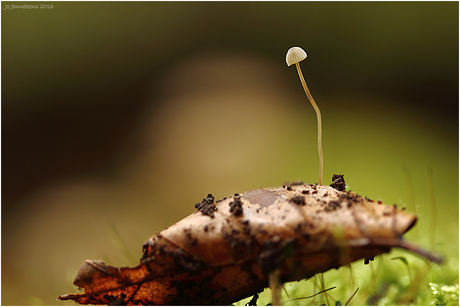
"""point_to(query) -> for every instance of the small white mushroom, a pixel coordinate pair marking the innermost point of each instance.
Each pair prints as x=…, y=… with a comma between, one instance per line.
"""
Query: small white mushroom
x=294, y=56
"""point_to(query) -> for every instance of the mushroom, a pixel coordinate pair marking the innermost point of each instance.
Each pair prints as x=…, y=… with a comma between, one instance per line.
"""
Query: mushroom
x=294, y=56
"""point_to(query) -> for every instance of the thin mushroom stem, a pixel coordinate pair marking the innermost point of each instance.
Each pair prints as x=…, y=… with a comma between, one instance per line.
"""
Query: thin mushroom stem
x=318, y=116
x=274, y=284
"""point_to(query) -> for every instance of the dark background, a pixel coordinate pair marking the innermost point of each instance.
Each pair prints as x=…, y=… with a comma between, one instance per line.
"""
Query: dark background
x=117, y=117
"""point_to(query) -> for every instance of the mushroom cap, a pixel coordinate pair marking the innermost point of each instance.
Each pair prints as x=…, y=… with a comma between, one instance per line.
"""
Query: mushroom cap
x=295, y=55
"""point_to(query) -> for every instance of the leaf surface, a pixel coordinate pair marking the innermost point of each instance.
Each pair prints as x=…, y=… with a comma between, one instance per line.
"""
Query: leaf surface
x=225, y=251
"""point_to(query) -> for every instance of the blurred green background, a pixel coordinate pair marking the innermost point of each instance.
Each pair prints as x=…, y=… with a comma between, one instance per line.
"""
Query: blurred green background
x=117, y=117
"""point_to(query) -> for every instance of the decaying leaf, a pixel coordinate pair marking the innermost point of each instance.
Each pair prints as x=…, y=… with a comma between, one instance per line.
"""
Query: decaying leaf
x=226, y=250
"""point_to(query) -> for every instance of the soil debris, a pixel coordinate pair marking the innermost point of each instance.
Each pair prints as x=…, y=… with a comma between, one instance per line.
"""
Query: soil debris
x=298, y=200
x=207, y=206
x=338, y=182
x=332, y=205
x=289, y=186
x=236, y=206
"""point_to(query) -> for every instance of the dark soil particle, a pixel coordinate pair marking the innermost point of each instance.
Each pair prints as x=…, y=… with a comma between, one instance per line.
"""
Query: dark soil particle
x=298, y=200
x=185, y=260
x=338, y=182
x=269, y=258
x=349, y=198
x=239, y=248
x=332, y=205
x=207, y=206
x=274, y=254
x=236, y=206
x=188, y=233
x=289, y=186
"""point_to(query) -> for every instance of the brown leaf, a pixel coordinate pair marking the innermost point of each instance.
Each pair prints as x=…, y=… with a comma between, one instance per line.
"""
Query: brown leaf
x=219, y=256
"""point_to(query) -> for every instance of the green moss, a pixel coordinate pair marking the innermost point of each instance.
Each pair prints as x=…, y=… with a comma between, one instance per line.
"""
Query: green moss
x=426, y=284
